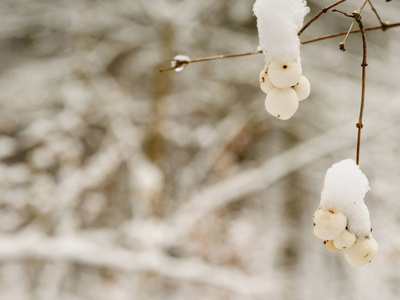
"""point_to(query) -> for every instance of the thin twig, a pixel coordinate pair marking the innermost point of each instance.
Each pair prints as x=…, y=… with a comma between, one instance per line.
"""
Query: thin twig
x=383, y=24
x=323, y=11
x=342, y=44
x=345, y=14
x=357, y=18
x=203, y=59
x=324, y=37
x=364, y=65
x=329, y=36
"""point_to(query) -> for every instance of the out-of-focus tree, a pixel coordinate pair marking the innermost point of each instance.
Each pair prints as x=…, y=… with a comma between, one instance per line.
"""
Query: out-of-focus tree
x=118, y=182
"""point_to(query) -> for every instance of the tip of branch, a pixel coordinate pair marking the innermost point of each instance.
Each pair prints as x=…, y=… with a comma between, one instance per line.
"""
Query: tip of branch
x=162, y=70
x=341, y=46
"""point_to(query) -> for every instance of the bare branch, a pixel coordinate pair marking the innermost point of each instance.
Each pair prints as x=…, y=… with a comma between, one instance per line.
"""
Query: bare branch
x=203, y=59
x=358, y=12
x=325, y=37
x=329, y=36
x=323, y=11
x=383, y=24
x=364, y=66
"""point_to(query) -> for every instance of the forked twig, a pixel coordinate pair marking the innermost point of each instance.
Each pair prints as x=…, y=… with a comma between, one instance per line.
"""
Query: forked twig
x=357, y=18
x=342, y=44
x=323, y=11
x=384, y=24
x=324, y=37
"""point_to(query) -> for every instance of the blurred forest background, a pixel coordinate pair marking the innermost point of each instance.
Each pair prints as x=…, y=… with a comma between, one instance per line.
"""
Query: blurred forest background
x=118, y=182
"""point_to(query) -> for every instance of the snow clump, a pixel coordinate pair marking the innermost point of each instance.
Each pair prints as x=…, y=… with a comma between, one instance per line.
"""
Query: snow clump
x=278, y=23
x=342, y=219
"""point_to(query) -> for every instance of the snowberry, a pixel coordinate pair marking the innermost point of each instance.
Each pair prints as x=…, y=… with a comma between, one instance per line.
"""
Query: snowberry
x=302, y=88
x=265, y=83
x=364, y=249
x=284, y=75
x=331, y=247
x=282, y=103
x=345, y=186
x=345, y=240
x=329, y=223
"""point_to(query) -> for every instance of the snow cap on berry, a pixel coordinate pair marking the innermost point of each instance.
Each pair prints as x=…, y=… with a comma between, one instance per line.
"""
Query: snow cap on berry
x=344, y=189
x=278, y=23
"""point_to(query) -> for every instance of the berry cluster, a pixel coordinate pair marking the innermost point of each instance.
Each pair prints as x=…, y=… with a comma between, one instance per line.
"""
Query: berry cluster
x=342, y=219
x=331, y=226
x=285, y=87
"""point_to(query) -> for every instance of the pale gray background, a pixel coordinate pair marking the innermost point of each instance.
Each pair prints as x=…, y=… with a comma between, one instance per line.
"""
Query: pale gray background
x=117, y=182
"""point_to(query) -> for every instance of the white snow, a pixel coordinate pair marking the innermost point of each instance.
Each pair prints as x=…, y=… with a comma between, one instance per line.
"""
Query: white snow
x=278, y=23
x=344, y=190
x=179, y=62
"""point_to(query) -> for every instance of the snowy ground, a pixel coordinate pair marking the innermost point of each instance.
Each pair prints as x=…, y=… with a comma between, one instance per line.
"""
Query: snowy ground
x=118, y=182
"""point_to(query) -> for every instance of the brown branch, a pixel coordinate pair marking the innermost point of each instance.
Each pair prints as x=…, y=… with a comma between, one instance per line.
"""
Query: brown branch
x=203, y=59
x=342, y=44
x=324, y=37
x=329, y=36
x=364, y=65
x=323, y=11
x=383, y=24
x=357, y=18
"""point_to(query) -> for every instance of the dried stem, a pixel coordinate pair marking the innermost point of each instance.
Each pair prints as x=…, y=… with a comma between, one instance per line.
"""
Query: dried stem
x=364, y=65
x=323, y=11
x=342, y=44
x=383, y=24
x=324, y=37
x=357, y=18
x=203, y=59
x=329, y=36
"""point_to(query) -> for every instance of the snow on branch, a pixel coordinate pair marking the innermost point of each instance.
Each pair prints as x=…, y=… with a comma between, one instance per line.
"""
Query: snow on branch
x=278, y=23
x=80, y=250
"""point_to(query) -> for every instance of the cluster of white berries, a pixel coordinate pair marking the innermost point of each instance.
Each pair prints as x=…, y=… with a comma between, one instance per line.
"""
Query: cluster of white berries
x=285, y=87
x=342, y=220
x=331, y=226
x=278, y=23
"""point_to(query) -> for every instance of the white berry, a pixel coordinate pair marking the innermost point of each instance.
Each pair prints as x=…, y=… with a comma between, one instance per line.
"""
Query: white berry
x=345, y=240
x=302, y=88
x=284, y=75
x=329, y=223
x=331, y=247
x=282, y=103
x=265, y=83
x=362, y=252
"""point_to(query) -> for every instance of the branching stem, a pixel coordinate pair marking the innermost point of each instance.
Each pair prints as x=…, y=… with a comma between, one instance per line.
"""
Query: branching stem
x=343, y=44
x=323, y=11
x=383, y=24
x=325, y=37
